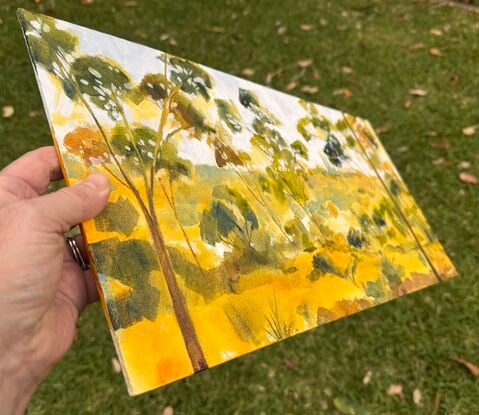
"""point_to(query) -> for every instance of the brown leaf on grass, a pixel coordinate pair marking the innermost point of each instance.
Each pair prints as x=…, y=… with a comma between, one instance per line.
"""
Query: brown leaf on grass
x=168, y=410
x=454, y=79
x=130, y=3
x=417, y=46
x=172, y=42
x=469, y=130
x=115, y=364
x=8, y=111
x=464, y=165
x=347, y=70
x=436, y=52
x=306, y=27
x=272, y=75
x=395, y=389
x=281, y=30
x=474, y=369
x=289, y=363
x=304, y=63
x=316, y=74
x=309, y=89
x=408, y=104
x=292, y=85
x=436, y=32
x=417, y=397
x=468, y=178
x=439, y=161
x=345, y=92
x=164, y=36
x=34, y=113
x=87, y=1
x=247, y=72
x=367, y=377
x=444, y=144
x=418, y=92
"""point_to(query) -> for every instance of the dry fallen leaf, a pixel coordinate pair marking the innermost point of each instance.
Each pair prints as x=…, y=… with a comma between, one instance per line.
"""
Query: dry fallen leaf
x=345, y=92
x=164, y=36
x=468, y=178
x=395, y=389
x=86, y=1
x=346, y=70
x=418, y=92
x=367, y=377
x=464, y=165
x=470, y=366
x=304, y=63
x=439, y=162
x=444, y=144
x=417, y=46
x=115, y=364
x=417, y=396
x=408, y=104
x=130, y=3
x=34, y=113
x=272, y=75
x=292, y=85
x=248, y=72
x=308, y=89
x=323, y=22
x=306, y=27
x=168, y=410
x=436, y=32
x=454, y=80
x=289, y=363
x=469, y=130
x=316, y=74
x=436, y=52
x=281, y=30
x=8, y=111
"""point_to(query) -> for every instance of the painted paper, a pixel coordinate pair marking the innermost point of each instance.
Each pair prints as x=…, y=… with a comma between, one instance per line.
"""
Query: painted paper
x=239, y=215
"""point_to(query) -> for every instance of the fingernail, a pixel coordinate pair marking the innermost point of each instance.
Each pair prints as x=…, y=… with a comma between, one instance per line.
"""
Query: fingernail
x=98, y=181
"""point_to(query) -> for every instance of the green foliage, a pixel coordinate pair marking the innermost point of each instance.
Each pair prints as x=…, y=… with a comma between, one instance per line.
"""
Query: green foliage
x=355, y=238
x=374, y=289
x=102, y=81
x=299, y=149
x=190, y=77
x=393, y=273
x=154, y=85
x=237, y=200
x=334, y=151
x=296, y=229
x=231, y=223
x=190, y=115
x=46, y=41
x=120, y=216
x=322, y=265
x=229, y=114
x=138, y=261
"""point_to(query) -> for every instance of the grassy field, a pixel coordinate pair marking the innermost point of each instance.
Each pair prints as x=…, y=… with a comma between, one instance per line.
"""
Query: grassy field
x=369, y=55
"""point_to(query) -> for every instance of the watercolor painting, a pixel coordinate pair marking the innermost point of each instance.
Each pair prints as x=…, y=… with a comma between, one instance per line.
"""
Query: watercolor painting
x=239, y=215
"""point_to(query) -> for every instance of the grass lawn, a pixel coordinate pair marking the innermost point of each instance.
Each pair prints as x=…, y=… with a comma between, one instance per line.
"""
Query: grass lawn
x=358, y=46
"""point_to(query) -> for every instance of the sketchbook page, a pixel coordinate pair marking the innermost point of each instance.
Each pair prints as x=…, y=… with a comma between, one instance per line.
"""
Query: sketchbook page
x=239, y=215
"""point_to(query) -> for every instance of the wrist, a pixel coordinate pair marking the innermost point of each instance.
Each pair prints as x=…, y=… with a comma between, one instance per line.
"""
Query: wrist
x=16, y=387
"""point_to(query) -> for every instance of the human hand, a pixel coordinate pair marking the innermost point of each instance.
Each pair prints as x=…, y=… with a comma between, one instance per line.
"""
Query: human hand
x=42, y=289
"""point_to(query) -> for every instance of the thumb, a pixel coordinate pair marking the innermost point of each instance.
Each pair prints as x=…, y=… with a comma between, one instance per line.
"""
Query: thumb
x=71, y=205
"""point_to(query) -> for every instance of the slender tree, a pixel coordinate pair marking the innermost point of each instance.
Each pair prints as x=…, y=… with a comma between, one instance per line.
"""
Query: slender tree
x=98, y=82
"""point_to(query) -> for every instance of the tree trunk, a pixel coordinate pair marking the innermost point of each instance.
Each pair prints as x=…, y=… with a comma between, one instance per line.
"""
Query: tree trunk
x=178, y=300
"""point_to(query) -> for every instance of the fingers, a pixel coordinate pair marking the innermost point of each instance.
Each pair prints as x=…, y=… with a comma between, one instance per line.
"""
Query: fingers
x=33, y=171
x=74, y=204
x=87, y=278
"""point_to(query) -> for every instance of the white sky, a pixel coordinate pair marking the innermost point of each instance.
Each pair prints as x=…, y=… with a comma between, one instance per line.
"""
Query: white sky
x=138, y=60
